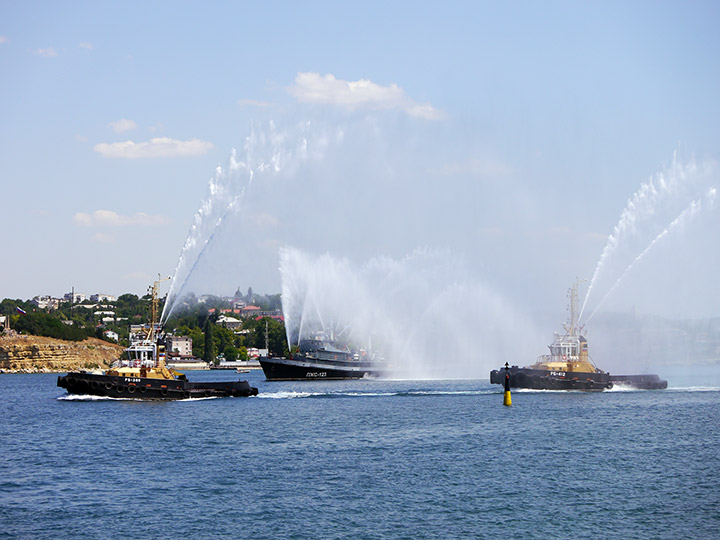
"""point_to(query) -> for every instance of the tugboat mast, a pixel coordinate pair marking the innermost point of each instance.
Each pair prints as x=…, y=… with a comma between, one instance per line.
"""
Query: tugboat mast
x=571, y=327
x=154, y=305
x=267, y=340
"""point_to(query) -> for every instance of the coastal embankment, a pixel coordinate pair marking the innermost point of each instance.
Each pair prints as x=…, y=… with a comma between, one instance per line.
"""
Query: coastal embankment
x=35, y=354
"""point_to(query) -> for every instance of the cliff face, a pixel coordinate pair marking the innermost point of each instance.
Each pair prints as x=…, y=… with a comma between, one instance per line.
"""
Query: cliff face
x=34, y=354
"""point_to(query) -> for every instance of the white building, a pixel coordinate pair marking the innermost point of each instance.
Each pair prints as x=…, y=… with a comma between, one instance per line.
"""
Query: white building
x=79, y=297
x=111, y=335
x=46, y=301
x=178, y=346
x=102, y=298
x=231, y=323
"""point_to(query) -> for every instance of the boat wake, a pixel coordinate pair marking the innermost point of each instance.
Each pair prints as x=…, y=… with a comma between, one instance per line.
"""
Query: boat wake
x=695, y=389
x=355, y=394
x=88, y=397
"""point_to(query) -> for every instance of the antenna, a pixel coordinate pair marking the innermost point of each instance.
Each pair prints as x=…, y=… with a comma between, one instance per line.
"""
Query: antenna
x=267, y=340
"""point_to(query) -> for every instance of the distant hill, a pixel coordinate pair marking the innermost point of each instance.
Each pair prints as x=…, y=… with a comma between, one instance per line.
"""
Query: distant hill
x=35, y=354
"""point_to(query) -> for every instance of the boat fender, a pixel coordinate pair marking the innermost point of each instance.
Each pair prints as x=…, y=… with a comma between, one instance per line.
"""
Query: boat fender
x=108, y=386
x=186, y=394
x=143, y=389
x=131, y=389
x=120, y=388
x=94, y=385
x=163, y=391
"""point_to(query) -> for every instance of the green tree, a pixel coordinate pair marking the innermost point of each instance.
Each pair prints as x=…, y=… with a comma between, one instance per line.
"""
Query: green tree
x=209, y=354
x=277, y=342
x=198, y=342
x=44, y=324
x=231, y=353
x=223, y=337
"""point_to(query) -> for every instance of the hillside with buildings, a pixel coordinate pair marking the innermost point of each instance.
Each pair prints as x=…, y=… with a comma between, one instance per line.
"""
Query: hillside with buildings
x=85, y=332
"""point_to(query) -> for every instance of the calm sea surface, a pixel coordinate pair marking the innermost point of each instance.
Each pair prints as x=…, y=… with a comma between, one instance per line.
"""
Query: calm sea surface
x=360, y=460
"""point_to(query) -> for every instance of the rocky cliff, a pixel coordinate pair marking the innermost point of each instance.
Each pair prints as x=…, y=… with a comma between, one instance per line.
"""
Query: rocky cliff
x=34, y=354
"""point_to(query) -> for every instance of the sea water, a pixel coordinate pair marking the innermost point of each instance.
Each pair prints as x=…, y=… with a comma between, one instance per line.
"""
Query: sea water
x=368, y=459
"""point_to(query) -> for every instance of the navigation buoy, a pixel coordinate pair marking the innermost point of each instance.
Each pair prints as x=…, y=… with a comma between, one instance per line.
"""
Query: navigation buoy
x=507, y=399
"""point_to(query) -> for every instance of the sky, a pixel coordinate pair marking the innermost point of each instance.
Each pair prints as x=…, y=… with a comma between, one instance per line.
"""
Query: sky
x=511, y=136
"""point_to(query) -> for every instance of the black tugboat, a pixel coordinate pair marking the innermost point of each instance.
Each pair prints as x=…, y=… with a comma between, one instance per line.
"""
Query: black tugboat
x=321, y=358
x=144, y=375
x=569, y=367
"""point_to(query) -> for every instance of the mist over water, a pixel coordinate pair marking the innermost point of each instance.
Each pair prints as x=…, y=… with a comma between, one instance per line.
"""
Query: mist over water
x=392, y=242
x=425, y=313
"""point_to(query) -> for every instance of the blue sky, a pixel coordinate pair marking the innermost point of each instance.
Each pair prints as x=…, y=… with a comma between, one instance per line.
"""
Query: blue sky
x=505, y=133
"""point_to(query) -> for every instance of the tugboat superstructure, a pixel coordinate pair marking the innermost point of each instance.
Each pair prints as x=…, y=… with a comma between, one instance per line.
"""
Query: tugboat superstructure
x=568, y=365
x=322, y=358
x=143, y=374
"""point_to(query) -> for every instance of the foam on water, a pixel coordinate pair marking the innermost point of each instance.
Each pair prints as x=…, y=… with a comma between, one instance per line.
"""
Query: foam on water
x=88, y=397
x=356, y=394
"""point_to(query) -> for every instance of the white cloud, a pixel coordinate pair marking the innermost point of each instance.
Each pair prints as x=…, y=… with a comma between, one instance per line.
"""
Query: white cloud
x=103, y=238
x=316, y=88
x=254, y=103
x=157, y=147
x=474, y=167
x=264, y=220
x=122, y=125
x=108, y=218
x=46, y=53
x=86, y=45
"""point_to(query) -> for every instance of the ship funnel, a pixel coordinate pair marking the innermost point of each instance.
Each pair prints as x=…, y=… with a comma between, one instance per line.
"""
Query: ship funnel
x=583, y=352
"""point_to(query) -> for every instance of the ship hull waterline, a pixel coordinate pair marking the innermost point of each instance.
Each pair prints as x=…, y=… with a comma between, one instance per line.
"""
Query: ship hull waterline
x=297, y=369
x=119, y=386
x=539, y=379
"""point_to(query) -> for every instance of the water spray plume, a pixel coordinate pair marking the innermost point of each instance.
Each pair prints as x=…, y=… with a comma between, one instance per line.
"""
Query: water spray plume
x=266, y=153
x=685, y=215
x=423, y=313
x=665, y=194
